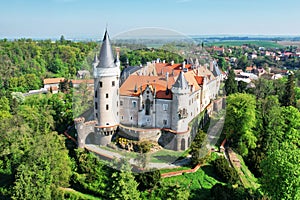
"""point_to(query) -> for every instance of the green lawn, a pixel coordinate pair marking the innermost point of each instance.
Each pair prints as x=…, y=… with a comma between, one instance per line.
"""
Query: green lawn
x=165, y=155
x=174, y=169
x=199, y=183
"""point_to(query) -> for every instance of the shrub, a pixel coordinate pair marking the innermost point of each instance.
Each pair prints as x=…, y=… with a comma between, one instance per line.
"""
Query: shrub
x=224, y=171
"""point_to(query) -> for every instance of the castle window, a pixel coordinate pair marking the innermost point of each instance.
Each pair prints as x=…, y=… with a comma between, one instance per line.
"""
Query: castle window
x=107, y=107
x=130, y=118
x=165, y=107
x=96, y=105
x=100, y=84
x=147, y=107
x=117, y=104
x=113, y=83
x=134, y=104
x=122, y=117
x=107, y=123
x=117, y=113
x=97, y=115
x=106, y=95
x=121, y=103
x=165, y=122
x=96, y=94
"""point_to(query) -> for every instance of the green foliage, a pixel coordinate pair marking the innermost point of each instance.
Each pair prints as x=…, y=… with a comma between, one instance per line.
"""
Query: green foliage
x=239, y=121
x=142, y=56
x=124, y=185
x=91, y=175
x=230, y=83
x=226, y=192
x=168, y=192
x=144, y=146
x=148, y=180
x=289, y=94
x=4, y=108
x=32, y=155
x=281, y=172
x=269, y=124
x=24, y=63
x=222, y=63
x=224, y=171
x=199, y=151
x=242, y=62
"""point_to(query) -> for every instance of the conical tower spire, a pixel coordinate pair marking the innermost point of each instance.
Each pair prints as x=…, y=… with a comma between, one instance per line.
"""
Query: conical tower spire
x=181, y=82
x=106, y=58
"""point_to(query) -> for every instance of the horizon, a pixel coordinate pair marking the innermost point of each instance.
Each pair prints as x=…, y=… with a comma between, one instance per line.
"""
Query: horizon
x=78, y=18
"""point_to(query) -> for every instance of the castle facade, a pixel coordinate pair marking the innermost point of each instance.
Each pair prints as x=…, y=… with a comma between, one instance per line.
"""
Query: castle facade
x=156, y=102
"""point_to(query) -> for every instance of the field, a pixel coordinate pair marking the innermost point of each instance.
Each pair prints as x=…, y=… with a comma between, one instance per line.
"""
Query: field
x=266, y=44
x=289, y=43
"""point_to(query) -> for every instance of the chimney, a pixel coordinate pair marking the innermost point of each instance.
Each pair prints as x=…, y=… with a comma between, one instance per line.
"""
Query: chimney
x=211, y=66
x=172, y=62
x=167, y=76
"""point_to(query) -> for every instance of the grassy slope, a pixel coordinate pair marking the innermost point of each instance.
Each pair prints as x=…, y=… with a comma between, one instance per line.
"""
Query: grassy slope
x=199, y=182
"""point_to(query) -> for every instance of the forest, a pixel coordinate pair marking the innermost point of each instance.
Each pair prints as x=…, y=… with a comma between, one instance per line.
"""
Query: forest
x=37, y=161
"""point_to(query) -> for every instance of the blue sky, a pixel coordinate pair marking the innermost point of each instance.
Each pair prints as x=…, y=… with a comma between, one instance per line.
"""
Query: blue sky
x=88, y=18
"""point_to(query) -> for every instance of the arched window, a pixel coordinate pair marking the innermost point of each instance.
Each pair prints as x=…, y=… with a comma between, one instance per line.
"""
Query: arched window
x=148, y=106
x=95, y=93
x=183, y=144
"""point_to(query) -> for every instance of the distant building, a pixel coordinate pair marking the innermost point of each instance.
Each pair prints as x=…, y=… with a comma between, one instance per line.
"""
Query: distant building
x=83, y=74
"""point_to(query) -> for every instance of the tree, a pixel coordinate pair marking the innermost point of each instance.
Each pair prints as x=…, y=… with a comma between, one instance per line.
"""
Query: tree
x=62, y=39
x=269, y=124
x=281, y=173
x=199, y=150
x=263, y=88
x=169, y=192
x=239, y=121
x=242, y=62
x=222, y=63
x=242, y=86
x=33, y=182
x=148, y=180
x=289, y=93
x=45, y=167
x=91, y=175
x=225, y=171
x=230, y=83
x=124, y=185
x=4, y=108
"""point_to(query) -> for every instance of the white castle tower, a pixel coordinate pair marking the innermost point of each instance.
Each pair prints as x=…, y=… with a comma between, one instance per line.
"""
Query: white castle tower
x=180, y=105
x=106, y=98
x=106, y=86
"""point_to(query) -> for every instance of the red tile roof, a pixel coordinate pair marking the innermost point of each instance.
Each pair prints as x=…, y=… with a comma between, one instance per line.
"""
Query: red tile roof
x=53, y=80
x=199, y=79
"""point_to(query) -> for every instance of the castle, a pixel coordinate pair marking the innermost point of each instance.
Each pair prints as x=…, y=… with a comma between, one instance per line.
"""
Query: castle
x=157, y=102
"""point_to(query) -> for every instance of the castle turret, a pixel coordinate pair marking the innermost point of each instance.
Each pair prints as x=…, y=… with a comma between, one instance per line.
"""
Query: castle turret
x=180, y=91
x=106, y=86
